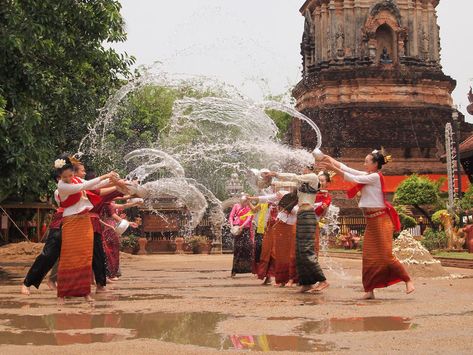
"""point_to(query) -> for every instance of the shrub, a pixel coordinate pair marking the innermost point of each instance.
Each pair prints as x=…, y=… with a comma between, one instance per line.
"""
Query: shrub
x=129, y=242
x=434, y=240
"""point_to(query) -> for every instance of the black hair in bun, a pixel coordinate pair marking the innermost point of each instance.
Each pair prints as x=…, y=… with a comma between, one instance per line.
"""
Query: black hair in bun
x=380, y=158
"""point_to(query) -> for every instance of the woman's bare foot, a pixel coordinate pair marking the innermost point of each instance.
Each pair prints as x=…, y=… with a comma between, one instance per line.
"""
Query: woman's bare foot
x=89, y=298
x=60, y=301
x=101, y=289
x=306, y=288
x=267, y=281
x=279, y=285
x=25, y=290
x=410, y=287
x=321, y=286
x=290, y=283
x=114, y=279
x=52, y=285
x=368, y=296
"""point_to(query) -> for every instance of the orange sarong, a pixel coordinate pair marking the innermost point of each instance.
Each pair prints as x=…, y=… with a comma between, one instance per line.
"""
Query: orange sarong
x=75, y=263
x=267, y=259
x=380, y=266
x=285, y=245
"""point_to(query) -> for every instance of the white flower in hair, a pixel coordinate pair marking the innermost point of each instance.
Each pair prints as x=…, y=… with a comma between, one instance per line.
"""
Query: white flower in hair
x=375, y=151
x=59, y=163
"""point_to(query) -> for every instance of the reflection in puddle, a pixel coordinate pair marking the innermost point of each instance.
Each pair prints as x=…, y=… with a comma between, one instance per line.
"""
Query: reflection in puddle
x=179, y=328
x=366, y=324
x=275, y=343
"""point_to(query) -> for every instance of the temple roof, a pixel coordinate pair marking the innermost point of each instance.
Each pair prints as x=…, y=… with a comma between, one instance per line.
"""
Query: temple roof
x=467, y=145
x=304, y=7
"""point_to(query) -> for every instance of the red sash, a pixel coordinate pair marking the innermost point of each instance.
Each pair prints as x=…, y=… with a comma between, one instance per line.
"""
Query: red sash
x=390, y=209
x=71, y=200
x=326, y=200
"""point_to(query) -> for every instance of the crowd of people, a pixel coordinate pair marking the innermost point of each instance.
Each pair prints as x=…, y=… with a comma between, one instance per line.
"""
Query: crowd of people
x=84, y=234
x=276, y=233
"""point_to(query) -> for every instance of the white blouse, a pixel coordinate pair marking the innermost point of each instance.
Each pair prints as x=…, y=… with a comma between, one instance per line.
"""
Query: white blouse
x=372, y=194
x=311, y=179
x=283, y=216
x=65, y=190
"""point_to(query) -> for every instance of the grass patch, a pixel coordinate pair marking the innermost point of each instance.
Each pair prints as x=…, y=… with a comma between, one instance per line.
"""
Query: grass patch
x=454, y=254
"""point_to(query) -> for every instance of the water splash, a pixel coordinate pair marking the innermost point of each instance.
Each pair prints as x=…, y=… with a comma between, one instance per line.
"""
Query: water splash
x=331, y=229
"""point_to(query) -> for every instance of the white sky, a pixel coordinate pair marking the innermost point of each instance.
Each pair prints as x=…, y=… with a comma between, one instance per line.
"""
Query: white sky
x=254, y=44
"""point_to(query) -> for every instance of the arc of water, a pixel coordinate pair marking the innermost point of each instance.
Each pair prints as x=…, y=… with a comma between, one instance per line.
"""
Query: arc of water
x=148, y=168
x=273, y=105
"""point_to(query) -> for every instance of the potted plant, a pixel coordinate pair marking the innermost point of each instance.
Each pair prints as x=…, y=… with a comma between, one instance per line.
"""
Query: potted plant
x=129, y=244
x=197, y=243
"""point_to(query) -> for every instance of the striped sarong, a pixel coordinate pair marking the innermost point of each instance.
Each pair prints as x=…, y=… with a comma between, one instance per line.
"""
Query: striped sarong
x=307, y=264
x=380, y=266
x=284, y=245
x=75, y=262
x=267, y=258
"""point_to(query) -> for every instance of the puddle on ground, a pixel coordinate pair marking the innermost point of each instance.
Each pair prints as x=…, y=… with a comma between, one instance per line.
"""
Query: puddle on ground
x=317, y=301
x=134, y=297
x=283, y=318
x=16, y=305
x=180, y=328
x=8, y=279
x=365, y=324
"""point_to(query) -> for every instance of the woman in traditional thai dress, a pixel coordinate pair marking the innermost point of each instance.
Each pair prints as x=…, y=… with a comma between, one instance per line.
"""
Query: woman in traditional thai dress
x=111, y=218
x=284, y=231
x=49, y=255
x=323, y=200
x=309, y=272
x=240, y=220
x=75, y=263
x=380, y=266
x=261, y=215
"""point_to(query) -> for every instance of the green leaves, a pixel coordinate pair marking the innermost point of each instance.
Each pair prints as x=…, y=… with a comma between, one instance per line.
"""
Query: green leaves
x=54, y=76
x=417, y=190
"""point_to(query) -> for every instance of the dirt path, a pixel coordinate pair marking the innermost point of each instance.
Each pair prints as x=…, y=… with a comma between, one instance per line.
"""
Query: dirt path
x=167, y=304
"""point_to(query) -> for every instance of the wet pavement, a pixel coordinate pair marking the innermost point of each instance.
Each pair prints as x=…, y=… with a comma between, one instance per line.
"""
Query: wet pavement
x=168, y=307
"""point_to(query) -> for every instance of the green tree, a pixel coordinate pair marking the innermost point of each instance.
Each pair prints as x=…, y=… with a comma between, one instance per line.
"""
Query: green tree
x=407, y=221
x=282, y=120
x=466, y=202
x=420, y=193
x=55, y=73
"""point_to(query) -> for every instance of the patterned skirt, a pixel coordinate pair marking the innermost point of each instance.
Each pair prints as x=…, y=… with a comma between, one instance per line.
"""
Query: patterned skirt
x=380, y=266
x=257, y=255
x=267, y=261
x=243, y=253
x=285, y=244
x=75, y=263
x=111, y=246
x=307, y=264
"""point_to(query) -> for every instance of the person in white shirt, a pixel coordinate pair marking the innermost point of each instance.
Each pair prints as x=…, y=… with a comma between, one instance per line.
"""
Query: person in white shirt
x=75, y=264
x=278, y=255
x=311, y=276
x=380, y=266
